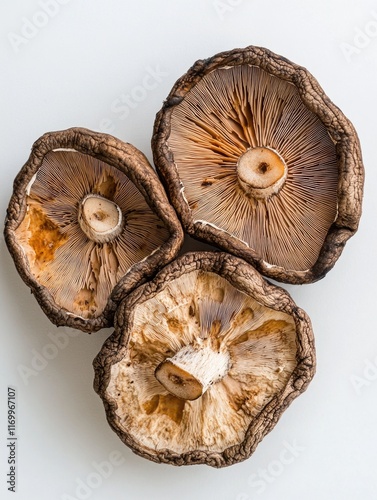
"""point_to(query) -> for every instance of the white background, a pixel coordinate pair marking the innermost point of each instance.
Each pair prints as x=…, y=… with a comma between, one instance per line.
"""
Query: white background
x=71, y=69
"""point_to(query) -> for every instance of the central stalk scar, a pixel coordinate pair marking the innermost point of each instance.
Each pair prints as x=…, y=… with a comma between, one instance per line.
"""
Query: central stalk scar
x=192, y=371
x=100, y=219
x=261, y=172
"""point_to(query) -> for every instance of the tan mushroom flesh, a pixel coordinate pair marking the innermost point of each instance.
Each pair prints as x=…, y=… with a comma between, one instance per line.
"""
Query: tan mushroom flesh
x=86, y=225
x=258, y=161
x=202, y=361
x=88, y=221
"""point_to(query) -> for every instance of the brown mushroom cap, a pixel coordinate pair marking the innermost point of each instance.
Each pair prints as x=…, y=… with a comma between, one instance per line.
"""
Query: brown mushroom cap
x=88, y=220
x=258, y=161
x=204, y=360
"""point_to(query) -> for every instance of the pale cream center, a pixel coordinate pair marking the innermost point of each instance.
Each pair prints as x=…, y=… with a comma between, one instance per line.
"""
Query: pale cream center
x=261, y=172
x=100, y=219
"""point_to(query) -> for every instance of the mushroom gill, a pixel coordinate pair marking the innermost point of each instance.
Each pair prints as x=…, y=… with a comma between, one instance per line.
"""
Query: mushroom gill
x=249, y=353
x=255, y=162
x=86, y=224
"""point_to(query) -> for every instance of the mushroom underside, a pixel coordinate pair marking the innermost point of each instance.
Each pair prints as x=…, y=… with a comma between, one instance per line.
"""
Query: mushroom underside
x=85, y=225
x=200, y=312
x=255, y=163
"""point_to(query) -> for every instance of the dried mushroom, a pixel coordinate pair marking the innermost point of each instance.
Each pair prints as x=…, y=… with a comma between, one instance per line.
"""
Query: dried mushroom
x=203, y=361
x=258, y=161
x=88, y=220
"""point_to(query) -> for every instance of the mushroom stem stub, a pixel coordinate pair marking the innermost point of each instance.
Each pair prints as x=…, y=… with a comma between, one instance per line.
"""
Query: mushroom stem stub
x=99, y=218
x=261, y=172
x=192, y=371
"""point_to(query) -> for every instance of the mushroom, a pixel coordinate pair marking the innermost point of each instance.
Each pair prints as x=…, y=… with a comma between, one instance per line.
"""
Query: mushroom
x=258, y=161
x=88, y=220
x=204, y=359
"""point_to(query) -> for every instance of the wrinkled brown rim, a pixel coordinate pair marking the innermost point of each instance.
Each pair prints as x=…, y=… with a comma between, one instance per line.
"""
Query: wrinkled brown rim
x=135, y=165
x=248, y=280
x=341, y=130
